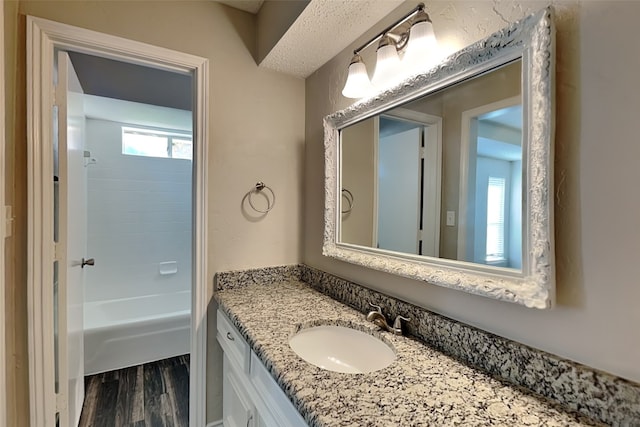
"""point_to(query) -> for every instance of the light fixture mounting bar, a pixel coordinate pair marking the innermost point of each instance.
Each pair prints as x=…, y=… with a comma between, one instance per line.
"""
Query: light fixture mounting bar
x=399, y=22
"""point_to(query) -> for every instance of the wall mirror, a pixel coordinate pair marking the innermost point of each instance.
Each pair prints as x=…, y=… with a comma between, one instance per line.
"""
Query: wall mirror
x=447, y=177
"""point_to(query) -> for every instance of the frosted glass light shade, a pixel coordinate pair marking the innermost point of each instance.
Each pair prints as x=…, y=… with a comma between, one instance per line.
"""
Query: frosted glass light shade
x=422, y=48
x=387, y=69
x=358, y=84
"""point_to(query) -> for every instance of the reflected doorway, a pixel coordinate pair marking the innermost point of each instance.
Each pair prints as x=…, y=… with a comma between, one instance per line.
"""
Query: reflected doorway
x=492, y=233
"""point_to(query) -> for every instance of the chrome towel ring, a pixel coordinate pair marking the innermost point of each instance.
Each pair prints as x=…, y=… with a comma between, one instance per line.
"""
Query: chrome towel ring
x=348, y=196
x=271, y=201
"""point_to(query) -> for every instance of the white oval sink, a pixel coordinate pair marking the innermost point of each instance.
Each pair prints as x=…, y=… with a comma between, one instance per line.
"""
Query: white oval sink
x=341, y=349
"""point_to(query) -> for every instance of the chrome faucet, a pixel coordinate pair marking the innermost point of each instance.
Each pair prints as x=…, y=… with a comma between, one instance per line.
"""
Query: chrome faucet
x=378, y=319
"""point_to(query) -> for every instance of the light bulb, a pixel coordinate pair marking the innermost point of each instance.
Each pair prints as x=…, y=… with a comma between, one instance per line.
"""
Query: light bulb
x=387, y=69
x=357, y=84
x=422, y=47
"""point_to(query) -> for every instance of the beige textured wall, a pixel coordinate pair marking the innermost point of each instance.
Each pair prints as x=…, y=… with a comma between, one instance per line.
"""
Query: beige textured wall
x=597, y=230
x=15, y=182
x=358, y=154
x=256, y=133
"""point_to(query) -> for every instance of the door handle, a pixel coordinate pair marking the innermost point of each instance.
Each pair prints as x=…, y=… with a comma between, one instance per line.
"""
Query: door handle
x=89, y=261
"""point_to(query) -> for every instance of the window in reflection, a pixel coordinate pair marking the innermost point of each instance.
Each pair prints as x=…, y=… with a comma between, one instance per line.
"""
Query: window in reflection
x=495, y=219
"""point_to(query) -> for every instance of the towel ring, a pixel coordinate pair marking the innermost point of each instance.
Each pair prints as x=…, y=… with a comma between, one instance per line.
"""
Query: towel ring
x=346, y=194
x=258, y=188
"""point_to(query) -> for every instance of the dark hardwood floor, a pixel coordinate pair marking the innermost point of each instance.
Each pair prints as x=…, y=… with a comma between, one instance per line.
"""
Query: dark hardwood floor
x=151, y=395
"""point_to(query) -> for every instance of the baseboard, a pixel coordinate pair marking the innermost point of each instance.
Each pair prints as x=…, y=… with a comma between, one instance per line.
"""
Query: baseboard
x=215, y=424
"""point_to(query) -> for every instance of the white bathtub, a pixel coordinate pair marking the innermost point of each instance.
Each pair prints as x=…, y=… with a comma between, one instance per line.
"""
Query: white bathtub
x=128, y=332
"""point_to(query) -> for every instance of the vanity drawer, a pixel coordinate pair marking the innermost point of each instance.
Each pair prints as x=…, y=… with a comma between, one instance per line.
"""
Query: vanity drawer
x=232, y=343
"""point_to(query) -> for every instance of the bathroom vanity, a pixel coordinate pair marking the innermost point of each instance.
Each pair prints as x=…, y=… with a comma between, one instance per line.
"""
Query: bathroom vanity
x=444, y=372
x=267, y=384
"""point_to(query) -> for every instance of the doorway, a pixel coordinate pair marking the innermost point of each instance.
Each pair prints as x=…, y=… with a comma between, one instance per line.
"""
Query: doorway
x=127, y=182
x=491, y=195
x=50, y=396
x=409, y=167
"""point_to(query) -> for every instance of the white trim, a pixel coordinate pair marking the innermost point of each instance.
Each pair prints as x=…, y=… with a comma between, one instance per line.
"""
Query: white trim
x=376, y=182
x=43, y=37
x=198, y=360
x=4, y=224
x=218, y=423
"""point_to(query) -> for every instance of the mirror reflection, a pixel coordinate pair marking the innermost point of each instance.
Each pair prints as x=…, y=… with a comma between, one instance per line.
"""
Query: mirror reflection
x=440, y=176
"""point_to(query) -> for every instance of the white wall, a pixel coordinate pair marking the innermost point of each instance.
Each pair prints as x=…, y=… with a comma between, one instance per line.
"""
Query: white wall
x=597, y=209
x=139, y=215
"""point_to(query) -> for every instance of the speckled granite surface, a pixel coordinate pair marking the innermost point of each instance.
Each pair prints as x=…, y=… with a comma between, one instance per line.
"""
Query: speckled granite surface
x=423, y=387
x=601, y=396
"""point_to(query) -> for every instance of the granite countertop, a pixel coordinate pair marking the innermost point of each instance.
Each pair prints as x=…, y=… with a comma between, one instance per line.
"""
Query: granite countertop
x=423, y=387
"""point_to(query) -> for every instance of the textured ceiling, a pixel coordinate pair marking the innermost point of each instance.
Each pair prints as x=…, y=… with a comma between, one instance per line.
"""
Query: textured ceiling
x=324, y=29
x=321, y=31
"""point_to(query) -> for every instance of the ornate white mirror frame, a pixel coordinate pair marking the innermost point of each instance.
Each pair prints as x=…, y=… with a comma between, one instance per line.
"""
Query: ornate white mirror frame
x=532, y=40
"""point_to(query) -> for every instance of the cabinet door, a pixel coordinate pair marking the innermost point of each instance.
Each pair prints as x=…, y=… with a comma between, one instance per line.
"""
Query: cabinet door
x=261, y=421
x=265, y=419
x=270, y=401
x=237, y=410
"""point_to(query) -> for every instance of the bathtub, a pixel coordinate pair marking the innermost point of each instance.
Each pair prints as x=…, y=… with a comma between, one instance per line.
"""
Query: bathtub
x=128, y=332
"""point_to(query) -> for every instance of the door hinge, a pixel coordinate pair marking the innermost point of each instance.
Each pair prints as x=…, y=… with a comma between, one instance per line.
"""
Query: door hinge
x=61, y=402
x=8, y=221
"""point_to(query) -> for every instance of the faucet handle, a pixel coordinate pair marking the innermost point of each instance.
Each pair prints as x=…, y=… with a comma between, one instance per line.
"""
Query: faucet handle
x=377, y=307
x=397, y=324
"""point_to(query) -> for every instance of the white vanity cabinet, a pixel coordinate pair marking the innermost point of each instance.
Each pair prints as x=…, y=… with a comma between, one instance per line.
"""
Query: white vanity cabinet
x=251, y=397
x=238, y=411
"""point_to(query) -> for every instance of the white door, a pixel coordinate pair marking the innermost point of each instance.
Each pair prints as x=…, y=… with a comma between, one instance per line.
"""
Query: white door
x=399, y=191
x=72, y=242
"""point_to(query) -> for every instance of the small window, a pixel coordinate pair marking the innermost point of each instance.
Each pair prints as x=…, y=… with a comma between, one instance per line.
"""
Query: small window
x=154, y=143
x=495, y=219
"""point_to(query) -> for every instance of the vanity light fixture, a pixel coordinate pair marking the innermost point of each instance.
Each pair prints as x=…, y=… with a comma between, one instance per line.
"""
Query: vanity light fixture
x=418, y=43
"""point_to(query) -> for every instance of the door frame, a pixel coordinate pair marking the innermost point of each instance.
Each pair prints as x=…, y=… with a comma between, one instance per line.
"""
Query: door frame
x=43, y=36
